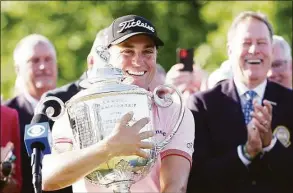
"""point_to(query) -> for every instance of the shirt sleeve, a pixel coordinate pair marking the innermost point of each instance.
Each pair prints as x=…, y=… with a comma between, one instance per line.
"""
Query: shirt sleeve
x=181, y=143
x=245, y=161
x=62, y=136
x=272, y=144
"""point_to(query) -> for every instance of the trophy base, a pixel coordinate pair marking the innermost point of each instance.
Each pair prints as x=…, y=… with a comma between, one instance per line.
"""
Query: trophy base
x=121, y=187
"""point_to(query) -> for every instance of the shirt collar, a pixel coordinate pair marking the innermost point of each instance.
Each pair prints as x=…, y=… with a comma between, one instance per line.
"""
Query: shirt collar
x=30, y=99
x=242, y=89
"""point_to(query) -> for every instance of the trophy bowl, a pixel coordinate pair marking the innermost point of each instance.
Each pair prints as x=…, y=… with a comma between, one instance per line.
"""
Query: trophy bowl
x=94, y=112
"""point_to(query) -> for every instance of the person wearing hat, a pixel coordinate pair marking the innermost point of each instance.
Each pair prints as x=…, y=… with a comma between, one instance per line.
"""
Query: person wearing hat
x=133, y=42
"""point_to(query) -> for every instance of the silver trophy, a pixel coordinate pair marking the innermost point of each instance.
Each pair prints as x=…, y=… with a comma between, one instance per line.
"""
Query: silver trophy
x=94, y=111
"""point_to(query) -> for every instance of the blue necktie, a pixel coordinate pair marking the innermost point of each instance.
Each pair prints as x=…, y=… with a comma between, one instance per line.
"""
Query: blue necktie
x=248, y=106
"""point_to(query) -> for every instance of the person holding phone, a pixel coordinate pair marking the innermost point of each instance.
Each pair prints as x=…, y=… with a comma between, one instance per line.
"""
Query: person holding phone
x=10, y=171
x=185, y=74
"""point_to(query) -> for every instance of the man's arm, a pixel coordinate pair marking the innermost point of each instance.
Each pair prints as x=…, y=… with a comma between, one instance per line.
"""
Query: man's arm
x=72, y=165
x=174, y=174
x=176, y=158
x=61, y=170
x=275, y=148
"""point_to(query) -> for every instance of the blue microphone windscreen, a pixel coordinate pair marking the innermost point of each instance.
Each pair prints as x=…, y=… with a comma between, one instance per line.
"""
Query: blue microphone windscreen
x=38, y=135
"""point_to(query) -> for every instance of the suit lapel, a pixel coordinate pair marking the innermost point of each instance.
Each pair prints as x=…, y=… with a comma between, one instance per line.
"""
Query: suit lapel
x=272, y=97
x=233, y=100
x=234, y=104
x=270, y=93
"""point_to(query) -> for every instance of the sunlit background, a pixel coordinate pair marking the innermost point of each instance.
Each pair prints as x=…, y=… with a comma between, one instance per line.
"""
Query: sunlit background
x=72, y=27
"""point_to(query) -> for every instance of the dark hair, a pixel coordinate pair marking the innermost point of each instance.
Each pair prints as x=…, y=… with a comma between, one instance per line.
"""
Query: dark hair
x=249, y=14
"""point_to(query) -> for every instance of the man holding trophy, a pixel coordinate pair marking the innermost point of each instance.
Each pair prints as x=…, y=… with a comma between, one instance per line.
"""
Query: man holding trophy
x=124, y=152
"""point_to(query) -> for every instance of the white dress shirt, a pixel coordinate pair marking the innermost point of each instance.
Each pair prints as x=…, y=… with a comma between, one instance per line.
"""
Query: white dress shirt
x=260, y=90
x=30, y=99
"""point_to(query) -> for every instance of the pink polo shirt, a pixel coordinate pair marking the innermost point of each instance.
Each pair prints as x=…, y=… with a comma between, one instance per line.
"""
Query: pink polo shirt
x=164, y=119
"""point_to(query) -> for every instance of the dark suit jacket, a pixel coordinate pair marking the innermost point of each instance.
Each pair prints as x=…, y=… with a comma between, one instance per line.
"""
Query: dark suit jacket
x=220, y=128
x=26, y=112
x=65, y=92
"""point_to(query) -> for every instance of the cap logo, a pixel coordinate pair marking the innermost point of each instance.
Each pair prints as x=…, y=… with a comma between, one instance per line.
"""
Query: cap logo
x=131, y=23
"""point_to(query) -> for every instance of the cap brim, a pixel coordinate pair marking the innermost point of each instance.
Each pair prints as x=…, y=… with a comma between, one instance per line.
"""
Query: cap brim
x=157, y=40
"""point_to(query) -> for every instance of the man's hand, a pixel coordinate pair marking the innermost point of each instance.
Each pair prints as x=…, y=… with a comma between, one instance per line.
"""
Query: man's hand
x=254, y=143
x=185, y=80
x=127, y=140
x=6, y=175
x=181, y=79
x=5, y=155
x=263, y=117
x=6, y=150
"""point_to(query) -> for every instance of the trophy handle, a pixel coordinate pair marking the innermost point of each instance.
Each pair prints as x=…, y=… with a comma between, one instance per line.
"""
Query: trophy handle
x=44, y=107
x=165, y=102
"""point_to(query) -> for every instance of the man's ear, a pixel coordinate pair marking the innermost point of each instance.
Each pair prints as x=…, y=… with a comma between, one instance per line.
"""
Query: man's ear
x=90, y=61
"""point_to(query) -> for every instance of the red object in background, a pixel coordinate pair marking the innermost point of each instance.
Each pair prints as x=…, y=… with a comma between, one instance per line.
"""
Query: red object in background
x=185, y=57
x=183, y=53
x=10, y=131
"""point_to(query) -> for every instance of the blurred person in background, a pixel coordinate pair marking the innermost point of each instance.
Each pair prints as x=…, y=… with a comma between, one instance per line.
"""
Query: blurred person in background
x=134, y=50
x=185, y=81
x=11, y=180
x=224, y=72
x=67, y=91
x=159, y=78
x=35, y=63
x=243, y=126
x=281, y=70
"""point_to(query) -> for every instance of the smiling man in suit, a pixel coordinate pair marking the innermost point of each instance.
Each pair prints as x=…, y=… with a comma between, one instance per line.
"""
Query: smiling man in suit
x=36, y=68
x=243, y=129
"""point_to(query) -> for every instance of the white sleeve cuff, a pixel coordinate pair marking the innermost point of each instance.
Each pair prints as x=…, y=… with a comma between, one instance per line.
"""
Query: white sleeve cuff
x=245, y=161
x=272, y=144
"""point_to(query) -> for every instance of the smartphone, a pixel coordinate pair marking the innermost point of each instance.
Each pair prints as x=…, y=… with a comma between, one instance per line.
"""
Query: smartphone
x=185, y=56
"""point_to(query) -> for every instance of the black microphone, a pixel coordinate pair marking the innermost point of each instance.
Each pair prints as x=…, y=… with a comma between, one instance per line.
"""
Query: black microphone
x=38, y=141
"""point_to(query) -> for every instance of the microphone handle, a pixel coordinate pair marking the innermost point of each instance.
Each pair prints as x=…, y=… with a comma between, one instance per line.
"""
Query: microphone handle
x=36, y=163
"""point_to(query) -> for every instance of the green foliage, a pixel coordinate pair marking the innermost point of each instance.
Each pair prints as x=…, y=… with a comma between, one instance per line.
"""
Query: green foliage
x=72, y=26
x=213, y=52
